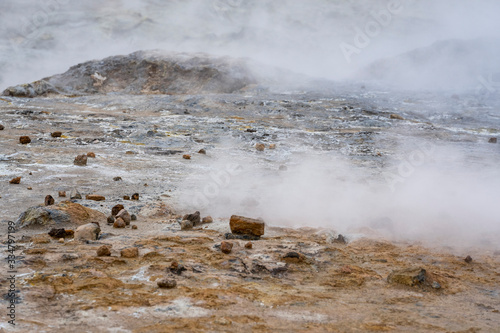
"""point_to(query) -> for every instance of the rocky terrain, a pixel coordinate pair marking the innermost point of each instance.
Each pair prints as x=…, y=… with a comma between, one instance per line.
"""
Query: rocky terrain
x=92, y=145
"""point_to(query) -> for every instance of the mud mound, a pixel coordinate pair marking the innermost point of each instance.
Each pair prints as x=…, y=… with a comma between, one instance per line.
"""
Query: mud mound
x=145, y=72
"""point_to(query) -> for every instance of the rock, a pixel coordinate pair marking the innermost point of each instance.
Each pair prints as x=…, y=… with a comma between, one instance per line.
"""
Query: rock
x=59, y=233
x=207, y=219
x=131, y=252
x=126, y=197
x=29, y=188
x=91, y=155
x=396, y=116
x=116, y=209
x=186, y=156
x=124, y=215
x=492, y=140
x=133, y=217
x=135, y=196
x=186, y=225
x=103, y=251
x=226, y=247
x=412, y=277
x=16, y=180
x=260, y=146
x=202, y=151
x=75, y=194
x=246, y=226
x=134, y=227
x=119, y=223
x=249, y=245
x=49, y=201
x=61, y=240
x=64, y=213
x=195, y=218
x=111, y=219
x=167, y=283
x=340, y=239
x=24, y=140
x=468, y=259
x=95, y=197
x=175, y=268
x=56, y=134
x=272, y=146
x=117, y=179
x=89, y=231
x=293, y=257
x=80, y=160
x=1, y=127
x=62, y=194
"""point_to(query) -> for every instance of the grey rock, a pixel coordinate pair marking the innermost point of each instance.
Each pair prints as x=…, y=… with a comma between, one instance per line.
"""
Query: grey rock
x=75, y=194
x=89, y=231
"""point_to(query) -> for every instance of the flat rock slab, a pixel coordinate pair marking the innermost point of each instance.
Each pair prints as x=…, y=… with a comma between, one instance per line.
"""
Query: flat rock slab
x=241, y=225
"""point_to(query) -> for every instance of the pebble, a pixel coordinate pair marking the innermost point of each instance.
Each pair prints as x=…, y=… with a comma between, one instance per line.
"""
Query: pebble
x=135, y=196
x=272, y=146
x=133, y=217
x=492, y=140
x=61, y=240
x=117, y=179
x=116, y=209
x=186, y=156
x=103, y=251
x=75, y=194
x=95, y=197
x=167, y=283
x=124, y=215
x=56, y=134
x=202, y=151
x=119, y=223
x=131, y=252
x=62, y=194
x=49, y=200
x=91, y=155
x=111, y=219
x=249, y=245
x=24, y=140
x=468, y=259
x=134, y=227
x=80, y=160
x=16, y=180
x=207, y=219
x=29, y=188
x=260, y=146
x=186, y=225
x=226, y=247
x=1, y=127
x=126, y=197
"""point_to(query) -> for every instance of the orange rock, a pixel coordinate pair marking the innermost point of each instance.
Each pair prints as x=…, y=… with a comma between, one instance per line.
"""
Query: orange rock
x=260, y=146
x=95, y=197
x=226, y=247
x=119, y=223
x=246, y=226
x=24, y=140
x=16, y=180
x=186, y=156
x=91, y=155
x=131, y=252
x=56, y=134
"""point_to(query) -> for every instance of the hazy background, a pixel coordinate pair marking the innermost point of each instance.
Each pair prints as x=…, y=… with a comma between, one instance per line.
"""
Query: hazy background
x=39, y=38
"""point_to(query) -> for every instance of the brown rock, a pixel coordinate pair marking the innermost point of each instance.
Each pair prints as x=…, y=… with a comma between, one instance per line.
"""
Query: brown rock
x=62, y=194
x=88, y=231
x=91, y=155
x=111, y=219
x=29, y=188
x=413, y=277
x=396, y=116
x=80, y=160
x=249, y=245
x=1, y=127
x=135, y=196
x=56, y=134
x=126, y=197
x=468, y=259
x=74, y=194
x=246, y=226
x=202, y=151
x=103, y=251
x=492, y=140
x=16, y=180
x=116, y=209
x=195, y=218
x=272, y=146
x=293, y=257
x=95, y=197
x=131, y=252
x=260, y=146
x=124, y=215
x=133, y=217
x=226, y=247
x=59, y=233
x=207, y=219
x=134, y=227
x=186, y=156
x=49, y=200
x=117, y=179
x=119, y=223
x=167, y=283
x=24, y=140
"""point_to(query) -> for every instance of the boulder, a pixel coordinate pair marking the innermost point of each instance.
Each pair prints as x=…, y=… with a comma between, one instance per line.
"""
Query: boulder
x=89, y=231
x=241, y=225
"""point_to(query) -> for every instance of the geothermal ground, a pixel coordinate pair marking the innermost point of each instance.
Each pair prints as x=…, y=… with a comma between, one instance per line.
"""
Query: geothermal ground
x=300, y=276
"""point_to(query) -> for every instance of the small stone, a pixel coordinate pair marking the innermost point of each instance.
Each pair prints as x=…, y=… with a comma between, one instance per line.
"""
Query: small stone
x=117, y=179
x=131, y=252
x=175, y=268
x=468, y=259
x=186, y=156
x=436, y=285
x=116, y=209
x=293, y=257
x=129, y=152
x=133, y=217
x=95, y=197
x=24, y=140
x=80, y=160
x=134, y=227
x=167, y=283
x=226, y=247
x=207, y=219
x=1, y=127
x=195, y=218
x=124, y=215
x=16, y=180
x=58, y=233
x=91, y=155
x=103, y=251
x=56, y=134
x=260, y=146
x=126, y=197
x=135, y=196
x=119, y=223
x=111, y=219
x=202, y=151
x=75, y=194
x=492, y=140
x=272, y=146
x=89, y=231
x=49, y=200
x=396, y=116
x=61, y=240
x=249, y=245
x=62, y=194
x=246, y=226
x=340, y=239
x=186, y=225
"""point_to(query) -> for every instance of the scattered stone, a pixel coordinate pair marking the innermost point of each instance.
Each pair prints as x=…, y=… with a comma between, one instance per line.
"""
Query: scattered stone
x=131, y=252
x=195, y=218
x=272, y=146
x=250, y=130
x=176, y=268
x=103, y=251
x=95, y=197
x=116, y=209
x=468, y=259
x=91, y=155
x=133, y=217
x=29, y=188
x=80, y=160
x=202, y=151
x=340, y=239
x=129, y=152
x=293, y=257
x=436, y=285
x=60, y=233
x=226, y=247
x=207, y=219
x=126, y=197
x=117, y=179
x=246, y=226
x=62, y=194
x=492, y=140
x=167, y=283
x=135, y=196
x=111, y=219
x=124, y=215
x=134, y=227
x=186, y=225
x=56, y=134
x=49, y=200
x=396, y=116
x=75, y=194
x=24, y=140
x=119, y=223
x=186, y=156
x=89, y=231
x=260, y=146
x=1, y=127
x=16, y=180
